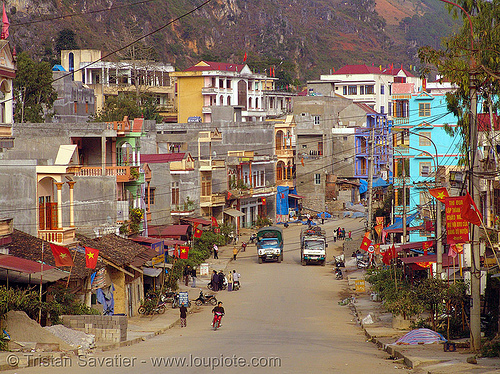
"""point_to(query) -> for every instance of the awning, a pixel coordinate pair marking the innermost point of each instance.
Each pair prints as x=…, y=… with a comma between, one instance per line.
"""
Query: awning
x=293, y=196
x=201, y=221
x=23, y=271
x=429, y=258
x=233, y=213
x=169, y=231
x=151, y=272
x=413, y=245
x=398, y=224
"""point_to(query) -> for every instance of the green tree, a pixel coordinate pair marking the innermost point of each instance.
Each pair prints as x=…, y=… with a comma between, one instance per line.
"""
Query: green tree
x=65, y=40
x=33, y=90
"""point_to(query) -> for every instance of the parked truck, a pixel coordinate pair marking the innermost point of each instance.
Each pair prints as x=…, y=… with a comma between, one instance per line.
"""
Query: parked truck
x=313, y=245
x=270, y=244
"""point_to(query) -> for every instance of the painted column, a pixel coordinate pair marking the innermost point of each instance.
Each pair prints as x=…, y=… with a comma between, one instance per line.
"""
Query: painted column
x=103, y=155
x=59, y=204
x=71, y=204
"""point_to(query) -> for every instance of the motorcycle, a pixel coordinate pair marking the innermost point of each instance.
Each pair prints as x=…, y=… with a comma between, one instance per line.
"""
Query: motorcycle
x=243, y=246
x=205, y=299
x=338, y=273
x=253, y=237
x=217, y=320
x=339, y=261
x=175, y=302
x=160, y=308
x=221, y=287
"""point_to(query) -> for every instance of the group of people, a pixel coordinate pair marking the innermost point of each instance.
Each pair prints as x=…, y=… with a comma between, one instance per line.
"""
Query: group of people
x=189, y=272
x=340, y=234
x=217, y=280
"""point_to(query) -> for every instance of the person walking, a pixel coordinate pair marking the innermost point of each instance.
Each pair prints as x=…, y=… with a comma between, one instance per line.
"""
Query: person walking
x=183, y=311
x=235, y=252
x=350, y=235
x=187, y=273
x=343, y=233
x=193, y=277
x=236, y=279
x=230, y=281
x=334, y=236
x=216, y=251
x=215, y=281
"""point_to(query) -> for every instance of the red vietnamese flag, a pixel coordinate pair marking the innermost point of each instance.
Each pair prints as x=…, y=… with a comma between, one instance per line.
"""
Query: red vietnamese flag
x=376, y=247
x=184, y=252
x=245, y=57
x=426, y=245
x=470, y=212
x=389, y=255
x=365, y=244
x=5, y=25
x=214, y=222
x=197, y=231
x=91, y=255
x=439, y=193
x=62, y=256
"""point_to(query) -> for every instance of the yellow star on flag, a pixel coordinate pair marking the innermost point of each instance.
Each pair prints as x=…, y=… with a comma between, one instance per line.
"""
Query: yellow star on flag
x=440, y=195
x=62, y=255
x=90, y=254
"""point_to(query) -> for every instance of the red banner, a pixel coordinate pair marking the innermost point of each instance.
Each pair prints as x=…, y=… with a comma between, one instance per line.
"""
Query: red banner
x=457, y=228
x=379, y=220
x=184, y=252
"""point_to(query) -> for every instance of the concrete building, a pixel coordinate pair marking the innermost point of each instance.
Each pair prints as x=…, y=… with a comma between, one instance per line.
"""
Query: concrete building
x=426, y=152
x=207, y=85
x=135, y=77
x=81, y=177
x=370, y=85
x=7, y=75
x=75, y=102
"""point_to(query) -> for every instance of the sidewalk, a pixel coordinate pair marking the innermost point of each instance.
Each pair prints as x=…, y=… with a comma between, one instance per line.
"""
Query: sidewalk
x=428, y=358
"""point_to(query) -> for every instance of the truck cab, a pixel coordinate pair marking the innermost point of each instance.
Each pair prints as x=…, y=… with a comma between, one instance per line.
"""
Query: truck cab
x=270, y=244
x=313, y=246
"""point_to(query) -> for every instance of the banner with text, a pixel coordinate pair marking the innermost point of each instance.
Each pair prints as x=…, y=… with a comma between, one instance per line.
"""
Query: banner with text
x=457, y=229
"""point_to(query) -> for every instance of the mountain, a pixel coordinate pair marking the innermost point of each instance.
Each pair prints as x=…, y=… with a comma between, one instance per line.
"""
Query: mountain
x=304, y=37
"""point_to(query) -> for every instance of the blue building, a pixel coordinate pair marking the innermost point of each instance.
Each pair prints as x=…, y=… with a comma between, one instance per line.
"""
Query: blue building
x=425, y=155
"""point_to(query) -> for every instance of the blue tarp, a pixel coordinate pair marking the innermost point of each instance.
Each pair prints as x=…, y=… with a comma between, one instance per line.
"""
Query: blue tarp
x=282, y=200
x=398, y=222
x=363, y=186
x=379, y=182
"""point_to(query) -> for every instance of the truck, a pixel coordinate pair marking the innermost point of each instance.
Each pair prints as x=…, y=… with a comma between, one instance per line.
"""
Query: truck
x=270, y=244
x=313, y=245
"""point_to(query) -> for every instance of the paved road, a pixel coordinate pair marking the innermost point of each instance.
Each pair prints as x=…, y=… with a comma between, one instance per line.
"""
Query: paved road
x=285, y=317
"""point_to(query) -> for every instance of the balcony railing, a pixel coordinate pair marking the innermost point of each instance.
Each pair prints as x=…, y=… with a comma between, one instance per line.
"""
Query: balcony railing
x=182, y=165
x=284, y=152
x=401, y=120
x=212, y=200
x=62, y=236
x=211, y=164
x=122, y=173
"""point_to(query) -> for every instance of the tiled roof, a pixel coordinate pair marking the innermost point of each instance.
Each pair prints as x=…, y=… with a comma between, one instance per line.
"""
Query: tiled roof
x=162, y=157
x=169, y=231
x=217, y=66
x=366, y=108
x=30, y=247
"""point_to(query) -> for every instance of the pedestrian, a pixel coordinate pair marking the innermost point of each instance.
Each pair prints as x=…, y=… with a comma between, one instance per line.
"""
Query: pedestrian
x=215, y=281
x=193, y=276
x=350, y=234
x=339, y=233
x=343, y=233
x=187, y=273
x=183, y=311
x=334, y=236
x=236, y=279
x=222, y=278
x=230, y=281
x=216, y=251
x=322, y=218
x=235, y=252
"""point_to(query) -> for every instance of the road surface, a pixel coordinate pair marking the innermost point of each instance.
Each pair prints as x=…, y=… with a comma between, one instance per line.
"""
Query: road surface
x=284, y=319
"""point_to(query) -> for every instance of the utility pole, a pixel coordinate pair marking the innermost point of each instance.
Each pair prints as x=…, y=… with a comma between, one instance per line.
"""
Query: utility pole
x=371, y=144
x=404, y=200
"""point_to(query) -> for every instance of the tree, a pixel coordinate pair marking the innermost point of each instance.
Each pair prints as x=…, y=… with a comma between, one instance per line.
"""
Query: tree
x=66, y=40
x=117, y=107
x=33, y=90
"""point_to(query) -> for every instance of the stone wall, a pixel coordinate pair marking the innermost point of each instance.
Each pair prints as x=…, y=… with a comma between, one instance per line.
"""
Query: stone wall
x=108, y=329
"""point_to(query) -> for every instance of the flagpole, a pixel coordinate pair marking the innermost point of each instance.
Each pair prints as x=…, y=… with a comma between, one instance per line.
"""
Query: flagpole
x=41, y=281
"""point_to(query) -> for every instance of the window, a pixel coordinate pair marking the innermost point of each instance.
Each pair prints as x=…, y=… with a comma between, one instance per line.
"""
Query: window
x=352, y=90
x=175, y=193
x=228, y=82
x=399, y=196
x=424, y=109
x=390, y=109
x=425, y=169
x=369, y=90
x=361, y=90
x=316, y=120
x=320, y=148
x=399, y=167
x=206, y=184
x=382, y=109
x=344, y=90
x=317, y=178
x=423, y=141
x=382, y=89
x=150, y=196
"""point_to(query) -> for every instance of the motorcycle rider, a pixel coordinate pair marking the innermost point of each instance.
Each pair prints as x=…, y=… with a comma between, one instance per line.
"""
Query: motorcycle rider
x=218, y=309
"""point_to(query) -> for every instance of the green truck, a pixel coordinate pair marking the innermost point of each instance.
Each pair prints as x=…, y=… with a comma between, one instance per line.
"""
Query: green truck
x=313, y=245
x=270, y=244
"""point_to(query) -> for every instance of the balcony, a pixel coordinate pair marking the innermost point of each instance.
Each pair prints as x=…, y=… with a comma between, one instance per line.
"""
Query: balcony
x=207, y=165
x=284, y=152
x=183, y=165
x=286, y=183
x=398, y=181
x=206, y=109
x=122, y=173
x=62, y=236
x=212, y=200
x=401, y=120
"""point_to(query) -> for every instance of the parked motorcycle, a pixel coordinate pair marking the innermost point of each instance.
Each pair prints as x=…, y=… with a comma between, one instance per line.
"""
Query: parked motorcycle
x=338, y=273
x=175, y=302
x=160, y=308
x=205, y=299
x=340, y=261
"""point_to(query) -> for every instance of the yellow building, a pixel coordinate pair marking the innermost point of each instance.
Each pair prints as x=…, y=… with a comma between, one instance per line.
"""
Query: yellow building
x=207, y=85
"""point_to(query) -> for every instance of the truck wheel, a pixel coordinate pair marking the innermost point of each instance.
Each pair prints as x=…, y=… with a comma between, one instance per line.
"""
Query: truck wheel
x=303, y=262
x=260, y=260
x=279, y=259
x=323, y=263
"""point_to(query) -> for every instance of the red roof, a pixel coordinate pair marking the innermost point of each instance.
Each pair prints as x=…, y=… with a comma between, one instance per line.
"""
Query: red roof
x=162, y=158
x=201, y=221
x=145, y=239
x=217, y=66
x=168, y=231
x=364, y=69
x=366, y=108
x=483, y=122
x=22, y=265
